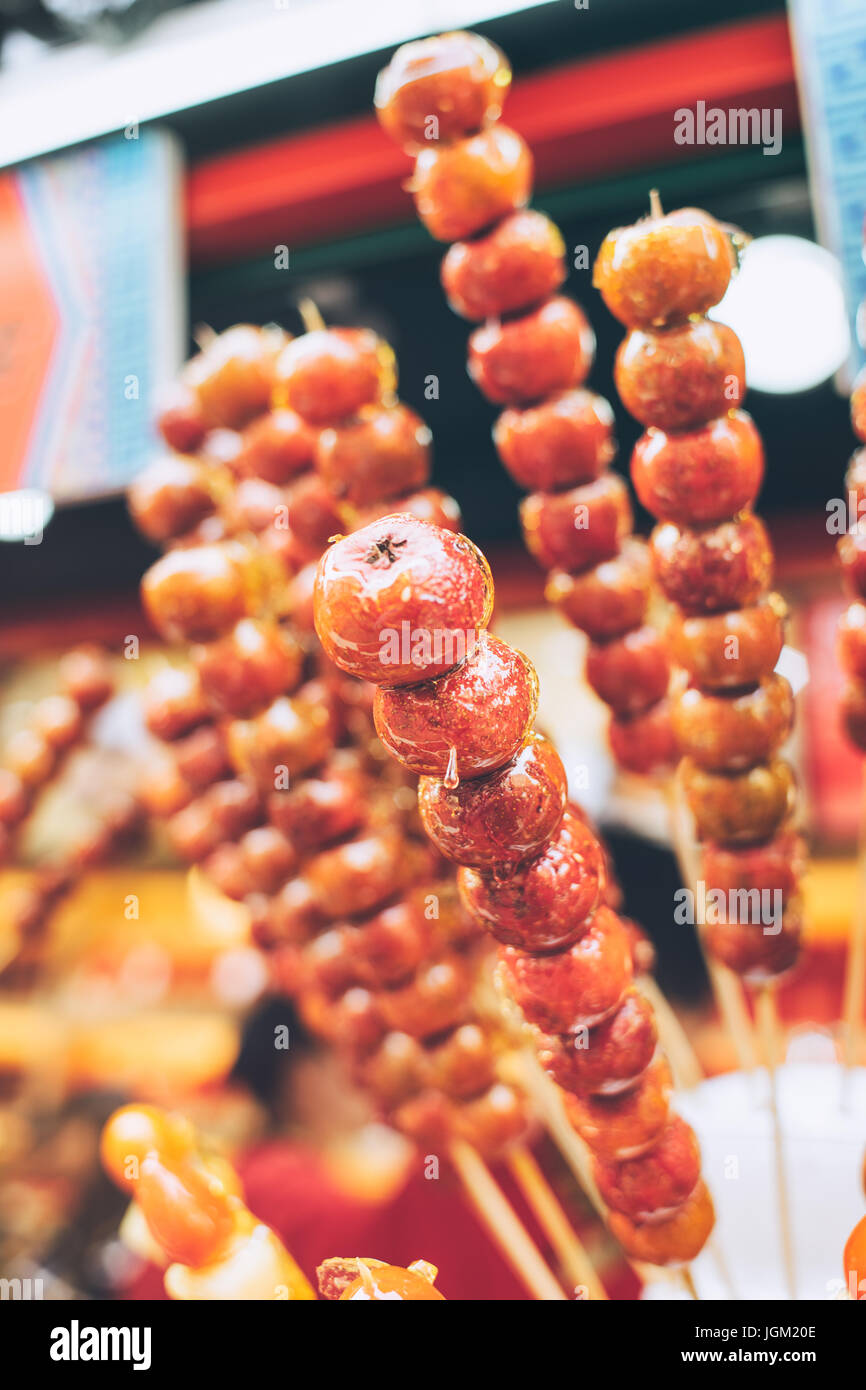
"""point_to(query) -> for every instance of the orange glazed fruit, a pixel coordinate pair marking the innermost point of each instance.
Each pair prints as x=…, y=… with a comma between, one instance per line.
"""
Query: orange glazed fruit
x=441, y=88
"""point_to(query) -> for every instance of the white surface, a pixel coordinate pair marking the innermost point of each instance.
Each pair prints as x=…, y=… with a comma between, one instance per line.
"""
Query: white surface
x=824, y=1142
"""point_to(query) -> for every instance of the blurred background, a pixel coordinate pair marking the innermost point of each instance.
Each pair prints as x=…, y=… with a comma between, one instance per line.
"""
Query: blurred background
x=165, y=166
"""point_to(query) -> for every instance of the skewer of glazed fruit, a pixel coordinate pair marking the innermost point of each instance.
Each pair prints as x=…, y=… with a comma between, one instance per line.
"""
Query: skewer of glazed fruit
x=342, y=869
x=440, y=99
x=854, y=1261
x=493, y=799
x=188, y=1216
x=697, y=469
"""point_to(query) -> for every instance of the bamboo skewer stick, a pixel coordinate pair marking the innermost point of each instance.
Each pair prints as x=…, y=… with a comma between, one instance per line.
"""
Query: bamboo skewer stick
x=768, y=1020
x=503, y=1225
x=687, y=1070
x=688, y=1280
x=727, y=989
x=311, y=316
x=541, y=1198
x=854, y=990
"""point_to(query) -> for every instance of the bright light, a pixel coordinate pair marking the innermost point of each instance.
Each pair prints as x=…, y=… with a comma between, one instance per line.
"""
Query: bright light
x=24, y=515
x=787, y=307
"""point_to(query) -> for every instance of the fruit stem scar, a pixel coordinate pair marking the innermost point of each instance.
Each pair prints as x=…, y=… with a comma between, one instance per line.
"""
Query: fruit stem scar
x=655, y=203
x=385, y=549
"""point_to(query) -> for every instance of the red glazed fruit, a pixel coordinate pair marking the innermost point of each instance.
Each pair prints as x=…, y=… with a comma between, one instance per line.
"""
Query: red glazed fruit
x=276, y=447
x=656, y=1183
x=737, y=808
x=702, y=476
x=331, y=373
x=430, y=505
x=312, y=514
x=434, y=728
x=517, y=360
x=387, y=948
x=664, y=269
x=724, y=733
x=720, y=567
x=491, y=1122
x=577, y=987
x=463, y=1065
x=853, y=707
x=560, y=443
x=758, y=953
x=858, y=406
x=544, y=904
x=629, y=673
x=608, y=1058
x=643, y=743
x=441, y=88
x=169, y=497
x=520, y=262
x=289, y=737
x=852, y=557
x=500, y=819
x=383, y=453
x=85, y=675
x=437, y=997
x=189, y=1213
x=318, y=810
x=358, y=876
x=250, y=667
x=672, y=1242
x=852, y=641
x=580, y=528
x=609, y=599
x=730, y=649
x=627, y=1124
x=232, y=378
x=854, y=1259
x=681, y=377
x=196, y=595
x=174, y=704
x=775, y=867
x=382, y=595
x=460, y=189
x=179, y=419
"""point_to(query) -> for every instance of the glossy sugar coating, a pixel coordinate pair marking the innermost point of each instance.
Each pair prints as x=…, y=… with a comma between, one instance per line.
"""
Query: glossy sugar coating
x=656, y=1183
x=249, y=667
x=331, y=373
x=232, y=378
x=518, y=263
x=630, y=673
x=580, y=528
x=517, y=360
x=680, y=377
x=496, y=821
x=703, y=475
x=739, y=807
x=609, y=599
x=674, y=1241
x=433, y=728
x=276, y=447
x=854, y=1255
x=609, y=1057
x=565, y=440
x=737, y=648
x=725, y=733
x=776, y=866
x=858, y=406
x=196, y=595
x=644, y=742
x=462, y=189
x=169, y=497
x=395, y=572
x=729, y=565
x=542, y=905
x=628, y=1123
x=458, y=79
x=663, y=269
x=576, y=987
x=382, y=453
x=758, y=954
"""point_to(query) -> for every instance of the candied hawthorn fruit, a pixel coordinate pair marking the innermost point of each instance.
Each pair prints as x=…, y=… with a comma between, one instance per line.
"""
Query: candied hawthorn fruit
x=653, y=1185
x=188, y=1211
x=643, y=742
x=629, y=673
x=519, y=262
x=401, y=600
x=718, y=567
x=431, y=504
x=580, y=528
x=680, y=377
x=852, y=557
x=331, y=373
x=233, y=377
x=492, y=1121
x=517, y=360
x=382, y=453
x=662, y=270
x=437, y=997
x=500, y=819
x=625, y=1125
x=737, y=648
x=387, y=947
x=312, y=513
x=605, y=1059
x=359, y=875
x=134, y=1131
x=858, y=406
x=703, y=475
x=174, y=703
x=560, y=443
x=317, y=810
x=170, y=497
x=759, y=953
x=853, y=709
x=543, y=905
x=179, y=418
x=576, y=987
x=609, y=599
x=434, y=728
x=196, y=595
x=463, y=1065
x=739, y=807
x=854, y=1259
x=852, y=641
x=728, y=732
x=250, y=667
x=441, y=88
x=677, y=1240
x=293, y=733
x=276, y=447
x=463, y=188
x=774, y=867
